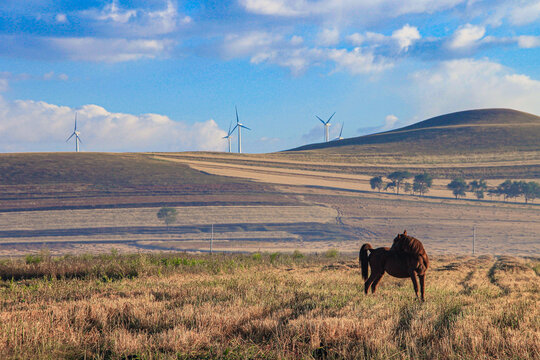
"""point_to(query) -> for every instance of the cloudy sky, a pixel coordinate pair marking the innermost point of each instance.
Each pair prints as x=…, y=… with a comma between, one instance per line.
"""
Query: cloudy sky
x=165, y=75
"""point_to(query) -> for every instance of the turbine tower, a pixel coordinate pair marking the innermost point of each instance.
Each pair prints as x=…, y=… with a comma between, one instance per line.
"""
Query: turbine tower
x=239, y=126
x=326, y=125
x=228, y=137
x=76, y=133
x=340, y=132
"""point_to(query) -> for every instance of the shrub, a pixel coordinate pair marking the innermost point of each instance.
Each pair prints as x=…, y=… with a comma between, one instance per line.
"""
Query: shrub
x=33, y=259
x=331, y=253
x=274, y=257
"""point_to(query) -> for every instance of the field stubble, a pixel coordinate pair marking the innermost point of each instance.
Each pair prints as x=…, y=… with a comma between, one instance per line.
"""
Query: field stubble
x=265, y=306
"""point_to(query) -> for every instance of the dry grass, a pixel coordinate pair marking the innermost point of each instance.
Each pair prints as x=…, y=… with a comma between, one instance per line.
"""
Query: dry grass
x=270, y=306
x=495, y=165
x=188, y=215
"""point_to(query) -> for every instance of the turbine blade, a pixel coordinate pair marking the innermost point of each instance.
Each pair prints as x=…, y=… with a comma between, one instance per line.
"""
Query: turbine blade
x=75, y=123
x=236, y=109
x=234, y=128
x=341, y=131
x=245, y=127
x=70, y=136
x=79, y=139
x=230, y=124
x=320, y=119
x=330, y=118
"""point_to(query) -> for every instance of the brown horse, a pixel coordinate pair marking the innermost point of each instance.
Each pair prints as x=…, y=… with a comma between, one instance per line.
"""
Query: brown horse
x=409, y=259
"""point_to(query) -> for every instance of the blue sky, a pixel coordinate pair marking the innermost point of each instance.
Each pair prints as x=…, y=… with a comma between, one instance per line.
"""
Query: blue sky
x=165, y=75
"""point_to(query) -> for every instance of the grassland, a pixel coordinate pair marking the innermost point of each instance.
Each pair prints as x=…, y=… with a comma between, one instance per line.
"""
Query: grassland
x=267, y=306
x=495, y=165
x=53, y=181
x=112, y=199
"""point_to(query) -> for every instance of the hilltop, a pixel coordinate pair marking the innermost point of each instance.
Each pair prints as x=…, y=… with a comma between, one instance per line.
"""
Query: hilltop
x=473, y=131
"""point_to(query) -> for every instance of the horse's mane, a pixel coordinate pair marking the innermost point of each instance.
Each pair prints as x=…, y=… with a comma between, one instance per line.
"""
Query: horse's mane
x=410, y=245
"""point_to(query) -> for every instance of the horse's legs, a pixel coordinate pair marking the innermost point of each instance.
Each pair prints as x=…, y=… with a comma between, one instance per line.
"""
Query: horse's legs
x=415, y=284
x=370, y=280
x=376, y=282
x=422, y=278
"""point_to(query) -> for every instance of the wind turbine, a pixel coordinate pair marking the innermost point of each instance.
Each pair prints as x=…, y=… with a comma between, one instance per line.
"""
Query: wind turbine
x=239, y=126
x=340, y=132
x=76, y=133
x=228, y=137
x=326, y=125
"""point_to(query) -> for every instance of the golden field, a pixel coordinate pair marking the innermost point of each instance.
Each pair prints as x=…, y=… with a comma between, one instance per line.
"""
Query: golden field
x=264, y=306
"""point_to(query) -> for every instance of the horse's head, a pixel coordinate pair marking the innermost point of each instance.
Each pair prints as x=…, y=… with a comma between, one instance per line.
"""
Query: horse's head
x=400, y=237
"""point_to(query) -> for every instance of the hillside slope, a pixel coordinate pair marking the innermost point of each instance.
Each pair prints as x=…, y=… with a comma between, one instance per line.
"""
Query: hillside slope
x=89, y=180
x=487, y=130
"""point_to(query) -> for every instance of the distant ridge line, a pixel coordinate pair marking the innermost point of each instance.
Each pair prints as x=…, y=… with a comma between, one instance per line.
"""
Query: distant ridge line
x=485, y=130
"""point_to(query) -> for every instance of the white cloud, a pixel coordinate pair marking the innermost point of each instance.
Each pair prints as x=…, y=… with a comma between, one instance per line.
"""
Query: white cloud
x=186, y=20
x=164, y=21
x=276, y=7
x=357, y=61
x=528, y=42
x=525, y=12
x=466, y=36
x=27, y=125
x=110, y=50
x=389, y=122
x=116, y=21
x=239, y=45
x=401, y=39
x=52, y=76
x=297, y=40
x=262, y=47
x=4, y=84
x=471, y=84
x=297, y=60
x=348, y=10
x=61, y=18
x=368, y=38
x=406, y=36
x=328, y=37
x=114, y=13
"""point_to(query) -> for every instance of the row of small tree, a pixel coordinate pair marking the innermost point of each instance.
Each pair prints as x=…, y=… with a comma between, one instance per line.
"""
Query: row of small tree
x=507, y=189
x=459, y=187
x=398, y=179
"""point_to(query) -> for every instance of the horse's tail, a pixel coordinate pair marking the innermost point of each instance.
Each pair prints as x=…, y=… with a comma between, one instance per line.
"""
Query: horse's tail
x=363, y=259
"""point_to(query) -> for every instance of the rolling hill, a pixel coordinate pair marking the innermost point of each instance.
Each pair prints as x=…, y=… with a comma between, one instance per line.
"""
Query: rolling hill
x=473, y=131
x=104, y=180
